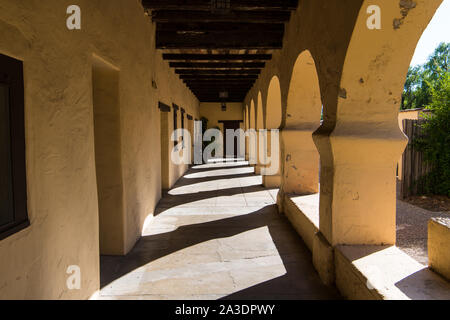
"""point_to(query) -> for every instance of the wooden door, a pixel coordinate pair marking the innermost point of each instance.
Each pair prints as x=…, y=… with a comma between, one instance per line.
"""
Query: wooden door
x=231, y=125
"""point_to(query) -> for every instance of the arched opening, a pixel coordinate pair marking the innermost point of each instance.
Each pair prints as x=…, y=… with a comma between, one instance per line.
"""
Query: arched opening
x=259, y=126
x=251, y=142
x=360, y=152
x=273, y=122
x=246, y=127
x=421, y=191
x=252, y=115
x=273, y=106
x=246, y=124
x=259, y=113
x=300, y=169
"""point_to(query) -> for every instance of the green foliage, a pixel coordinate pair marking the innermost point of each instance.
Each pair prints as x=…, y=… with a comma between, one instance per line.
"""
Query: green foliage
x=428, y=86
x=434, y=142
x=421, y=79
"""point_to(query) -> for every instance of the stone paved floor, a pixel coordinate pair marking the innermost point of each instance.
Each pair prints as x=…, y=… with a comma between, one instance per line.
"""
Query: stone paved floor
x=216, y=235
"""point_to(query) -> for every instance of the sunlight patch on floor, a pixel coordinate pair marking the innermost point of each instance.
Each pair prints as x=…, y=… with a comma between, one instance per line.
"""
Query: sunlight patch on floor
x=219, y=266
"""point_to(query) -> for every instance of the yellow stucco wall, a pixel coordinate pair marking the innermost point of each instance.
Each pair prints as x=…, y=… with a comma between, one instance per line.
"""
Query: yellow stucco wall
x=62, y=188
x=213, y=112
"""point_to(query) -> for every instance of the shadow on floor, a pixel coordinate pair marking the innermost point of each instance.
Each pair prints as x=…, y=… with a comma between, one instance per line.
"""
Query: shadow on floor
x=300, y=281
x=424, y=285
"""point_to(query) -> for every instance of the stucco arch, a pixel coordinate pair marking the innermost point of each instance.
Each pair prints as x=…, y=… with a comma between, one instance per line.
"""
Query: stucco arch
x=359, y=156
x=259, y=113
x=303, y=103
x=246, y=117
x=252, y=115
x=273, y=121
x=300, y=165
x=273, y=105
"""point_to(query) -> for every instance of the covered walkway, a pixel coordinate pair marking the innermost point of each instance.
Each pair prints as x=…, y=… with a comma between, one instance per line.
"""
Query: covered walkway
x=216, y=234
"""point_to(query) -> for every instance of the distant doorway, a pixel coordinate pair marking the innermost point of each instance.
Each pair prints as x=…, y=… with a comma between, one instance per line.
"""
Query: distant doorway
x=229, y=133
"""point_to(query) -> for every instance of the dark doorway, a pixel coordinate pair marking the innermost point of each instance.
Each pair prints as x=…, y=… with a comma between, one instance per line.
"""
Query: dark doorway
x=230, y=133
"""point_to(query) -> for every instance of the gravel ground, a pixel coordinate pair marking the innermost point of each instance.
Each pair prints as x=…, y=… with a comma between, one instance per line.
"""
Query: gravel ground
x=412, y=229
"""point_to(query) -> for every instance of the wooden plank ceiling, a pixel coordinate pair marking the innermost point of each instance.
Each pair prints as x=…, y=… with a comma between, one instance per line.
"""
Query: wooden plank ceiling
x=219, y=46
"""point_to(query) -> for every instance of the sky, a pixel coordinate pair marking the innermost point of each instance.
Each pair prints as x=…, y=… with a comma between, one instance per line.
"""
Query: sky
x=437, y=31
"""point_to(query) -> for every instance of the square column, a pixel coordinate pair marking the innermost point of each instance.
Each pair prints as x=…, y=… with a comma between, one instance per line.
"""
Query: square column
x=300, y=163
x=358, y=185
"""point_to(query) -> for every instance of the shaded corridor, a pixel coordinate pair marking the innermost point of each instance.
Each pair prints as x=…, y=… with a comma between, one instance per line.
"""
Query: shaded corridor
x=215, y=235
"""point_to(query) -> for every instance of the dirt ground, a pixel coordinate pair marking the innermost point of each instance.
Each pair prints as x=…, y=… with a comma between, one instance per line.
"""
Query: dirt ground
x=413, y=215
x=430, y=203
x=412, y=229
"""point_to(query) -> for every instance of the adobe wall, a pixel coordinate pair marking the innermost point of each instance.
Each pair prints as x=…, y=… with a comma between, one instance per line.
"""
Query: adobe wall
x=62, y=188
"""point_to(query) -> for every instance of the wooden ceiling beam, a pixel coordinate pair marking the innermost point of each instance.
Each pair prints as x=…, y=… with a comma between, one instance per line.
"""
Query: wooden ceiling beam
x=206, y=5
x=219, y=82
x=219, y=87
x=218, y=100
x=213, y=92
x=230, y=88
x=241, y=87
x=175, y=16
x=217, y=96
x=216, y=92
x=219, y=27
x=225, y=40
x=218, y=77
x=216, y=57
x=218, y=72
x=216, y=65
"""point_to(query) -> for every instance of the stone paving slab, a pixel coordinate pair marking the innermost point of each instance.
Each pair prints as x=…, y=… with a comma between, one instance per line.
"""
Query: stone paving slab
x=215, y=238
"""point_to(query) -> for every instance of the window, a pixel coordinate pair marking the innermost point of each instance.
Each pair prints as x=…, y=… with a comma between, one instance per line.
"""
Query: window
x=13, y=196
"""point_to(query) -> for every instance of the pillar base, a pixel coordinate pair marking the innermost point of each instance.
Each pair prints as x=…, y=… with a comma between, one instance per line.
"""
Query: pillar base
x=272, y=181
x=323, y=259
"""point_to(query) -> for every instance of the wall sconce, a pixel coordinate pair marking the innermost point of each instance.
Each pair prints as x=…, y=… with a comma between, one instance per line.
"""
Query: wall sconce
x=223, y=96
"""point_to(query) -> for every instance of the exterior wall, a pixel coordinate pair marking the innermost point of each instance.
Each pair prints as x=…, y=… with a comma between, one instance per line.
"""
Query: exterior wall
x=62, y=188
x=412, y=114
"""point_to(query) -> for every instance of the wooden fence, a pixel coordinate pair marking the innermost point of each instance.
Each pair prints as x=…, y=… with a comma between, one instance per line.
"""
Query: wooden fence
x=415, y=168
